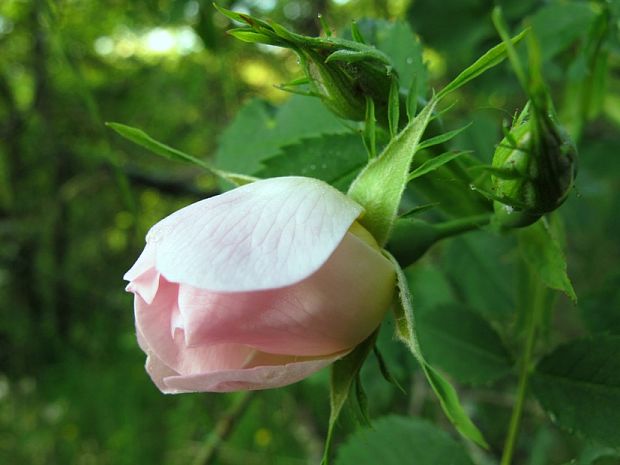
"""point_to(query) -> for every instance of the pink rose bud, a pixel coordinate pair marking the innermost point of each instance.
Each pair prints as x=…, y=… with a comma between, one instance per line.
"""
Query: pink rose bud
x=257, y=288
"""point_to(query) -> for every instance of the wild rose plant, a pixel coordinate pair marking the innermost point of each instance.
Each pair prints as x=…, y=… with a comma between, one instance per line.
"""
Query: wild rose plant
x=267, y=283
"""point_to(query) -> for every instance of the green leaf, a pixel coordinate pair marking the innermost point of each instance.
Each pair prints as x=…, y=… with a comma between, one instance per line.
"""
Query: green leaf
x=259, y=131
x=463, y=344
x=344, y=372
x=578, y=384
x=334, y=158
x=380, y=185
x=599, y=308
x=406, y=332
x=433, y=163
x=542, y=251
x=141, y=138
x=398, y=41
x=559, y=24
x=481, y=271
x=395, y=440
x=489, y=60
x=442, y=138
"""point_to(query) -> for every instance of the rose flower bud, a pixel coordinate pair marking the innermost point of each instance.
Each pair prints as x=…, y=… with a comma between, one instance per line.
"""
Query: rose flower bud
x=257, y=288
x=535, y=168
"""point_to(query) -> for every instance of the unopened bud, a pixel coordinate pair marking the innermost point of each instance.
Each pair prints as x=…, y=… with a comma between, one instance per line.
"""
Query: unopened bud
x=533, y=169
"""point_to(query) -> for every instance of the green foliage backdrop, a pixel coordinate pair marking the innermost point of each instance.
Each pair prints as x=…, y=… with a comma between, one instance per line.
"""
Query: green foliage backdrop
x=76, y=202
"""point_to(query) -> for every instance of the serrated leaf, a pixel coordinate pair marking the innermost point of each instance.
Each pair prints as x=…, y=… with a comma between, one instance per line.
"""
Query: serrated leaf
x=578, y=384
x=398, y=41
x=139, y=137
x=406, y=332
x=542, y=251
x=433, y=163
x=463, y=344
x=259, y=131
x=490, y=59
x=480, y=271
x=334, y=158
x=380, y=185
x=400, y=441
x=343, y=374
x=442, y=138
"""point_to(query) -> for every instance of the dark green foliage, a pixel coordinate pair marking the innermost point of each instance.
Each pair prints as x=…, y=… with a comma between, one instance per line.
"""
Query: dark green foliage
x=578, y=384
x=396, y=440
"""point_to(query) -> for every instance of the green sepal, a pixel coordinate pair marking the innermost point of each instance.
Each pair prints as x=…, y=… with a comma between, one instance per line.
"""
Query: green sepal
x=394, y=107
x=247, y=35
x=356, y=33
x=370, y=129
x=139, y=137
x=490, y=59
x=379, y=187
x=443, y=138
x=434, y=163
x=385, y=371
x=344, y=372
x=445, y=392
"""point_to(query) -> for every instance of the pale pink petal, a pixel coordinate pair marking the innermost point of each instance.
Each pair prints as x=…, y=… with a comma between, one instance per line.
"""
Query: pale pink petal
x=259, y=377
x=330, y=311
x=145, y=261
x=264, y=235
x=145, y=285
x=153, y=326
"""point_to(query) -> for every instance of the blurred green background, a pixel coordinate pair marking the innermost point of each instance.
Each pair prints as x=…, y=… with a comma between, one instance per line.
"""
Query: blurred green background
x=76, y=202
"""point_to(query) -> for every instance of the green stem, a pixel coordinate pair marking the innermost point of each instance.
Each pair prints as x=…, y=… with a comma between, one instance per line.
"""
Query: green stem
x=524, y=372
x=461, y=225
x=411, y=238
x=223, y=428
